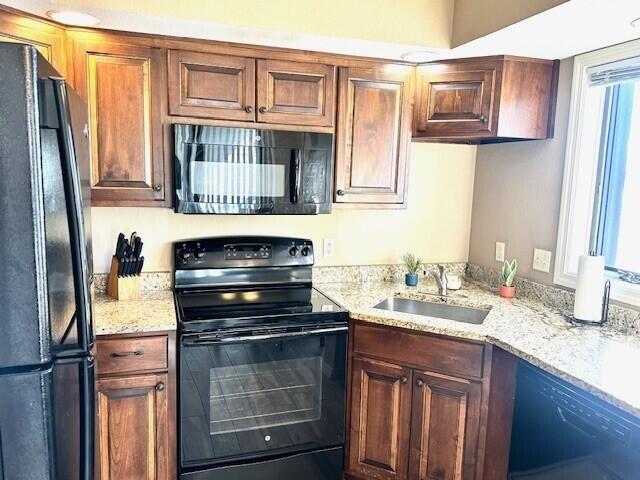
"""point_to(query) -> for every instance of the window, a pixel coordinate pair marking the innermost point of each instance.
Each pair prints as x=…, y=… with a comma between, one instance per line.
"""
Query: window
x=601, y=194
x=616, y=230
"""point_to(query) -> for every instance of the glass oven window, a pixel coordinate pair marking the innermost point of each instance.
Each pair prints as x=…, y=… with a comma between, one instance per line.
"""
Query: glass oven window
x=263, y=395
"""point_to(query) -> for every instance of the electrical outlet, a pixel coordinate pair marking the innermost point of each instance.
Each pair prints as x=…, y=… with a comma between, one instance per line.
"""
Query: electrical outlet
x=329, y=247
x=500, y=247
x=541, y=260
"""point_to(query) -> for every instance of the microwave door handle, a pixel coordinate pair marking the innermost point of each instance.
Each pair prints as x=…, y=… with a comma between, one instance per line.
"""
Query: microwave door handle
x=295, y=175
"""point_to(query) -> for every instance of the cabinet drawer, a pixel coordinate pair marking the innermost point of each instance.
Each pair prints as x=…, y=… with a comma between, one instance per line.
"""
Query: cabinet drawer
x=434, y=354
x=132, y=354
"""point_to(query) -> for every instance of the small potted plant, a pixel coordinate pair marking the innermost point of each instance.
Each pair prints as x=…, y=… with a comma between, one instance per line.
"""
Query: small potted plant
x=412, y=265
x=507, y=290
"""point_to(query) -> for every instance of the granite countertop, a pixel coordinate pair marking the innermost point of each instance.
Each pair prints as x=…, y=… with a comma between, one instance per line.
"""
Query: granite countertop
x=154, y=312
x=600, y=360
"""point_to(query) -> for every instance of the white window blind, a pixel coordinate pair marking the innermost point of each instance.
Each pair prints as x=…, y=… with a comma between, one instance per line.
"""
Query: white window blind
x=627, y=70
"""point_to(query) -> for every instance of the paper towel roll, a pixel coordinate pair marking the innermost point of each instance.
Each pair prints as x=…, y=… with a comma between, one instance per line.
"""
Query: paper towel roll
x=589, y=289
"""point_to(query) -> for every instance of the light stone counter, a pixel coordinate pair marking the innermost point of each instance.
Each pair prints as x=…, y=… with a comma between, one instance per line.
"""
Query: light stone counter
x=598, y=359
x=154, y=312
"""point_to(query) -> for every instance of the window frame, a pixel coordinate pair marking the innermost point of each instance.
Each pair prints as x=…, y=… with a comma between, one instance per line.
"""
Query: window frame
x=580, y=184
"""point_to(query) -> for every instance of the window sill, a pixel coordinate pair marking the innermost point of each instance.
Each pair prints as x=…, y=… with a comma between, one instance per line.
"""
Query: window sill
x=623, y=292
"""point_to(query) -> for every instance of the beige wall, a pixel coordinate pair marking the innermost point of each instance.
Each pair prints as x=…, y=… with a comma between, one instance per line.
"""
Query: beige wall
x=435, y=225
x=475, y=18
x=414, y=22
x=517, y=193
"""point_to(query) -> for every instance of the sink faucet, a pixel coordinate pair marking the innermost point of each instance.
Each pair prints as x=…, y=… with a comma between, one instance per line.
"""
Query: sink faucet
x=441, y=280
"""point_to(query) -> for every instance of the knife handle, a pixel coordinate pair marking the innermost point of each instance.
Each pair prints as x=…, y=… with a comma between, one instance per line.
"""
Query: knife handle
x=140, y=264
x=120, y=266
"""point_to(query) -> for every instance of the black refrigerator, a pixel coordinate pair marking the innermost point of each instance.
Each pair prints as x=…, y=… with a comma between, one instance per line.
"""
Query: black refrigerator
x=46, y=367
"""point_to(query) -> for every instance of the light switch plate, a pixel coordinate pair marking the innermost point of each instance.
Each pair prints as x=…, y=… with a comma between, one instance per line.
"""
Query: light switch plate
x=329, y=247
x=541, y=260
x=500, y=247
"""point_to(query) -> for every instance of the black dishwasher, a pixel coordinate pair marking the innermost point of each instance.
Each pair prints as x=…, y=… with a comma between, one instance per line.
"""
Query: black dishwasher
x=561, y=432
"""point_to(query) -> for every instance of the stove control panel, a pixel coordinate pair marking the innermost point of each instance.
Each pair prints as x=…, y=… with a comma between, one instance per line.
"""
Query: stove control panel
x=242, y=252
x=247, y=251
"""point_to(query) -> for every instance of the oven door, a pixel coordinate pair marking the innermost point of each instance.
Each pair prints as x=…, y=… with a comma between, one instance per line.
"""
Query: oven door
x=246, y=395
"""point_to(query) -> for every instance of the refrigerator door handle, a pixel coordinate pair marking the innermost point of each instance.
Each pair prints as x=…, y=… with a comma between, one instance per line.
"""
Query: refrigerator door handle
x=74, y=204
x=88, y=421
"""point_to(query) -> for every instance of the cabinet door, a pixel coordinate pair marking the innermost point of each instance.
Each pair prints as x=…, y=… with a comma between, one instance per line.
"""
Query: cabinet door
x=374, y=130
x=46, y=37
x=455, y=100
x=445, y=427
x=296, y=93
x=123, y=85
x=380, y=418
x=213, y=86
x=133, y=428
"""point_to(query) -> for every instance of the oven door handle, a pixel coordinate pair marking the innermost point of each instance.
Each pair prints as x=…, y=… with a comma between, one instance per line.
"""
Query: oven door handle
x=212, y=339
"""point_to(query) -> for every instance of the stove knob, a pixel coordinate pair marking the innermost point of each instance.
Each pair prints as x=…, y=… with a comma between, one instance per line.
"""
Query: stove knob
x=293, y=251
x=305, y=251
x=199, y=254
x=185, y=254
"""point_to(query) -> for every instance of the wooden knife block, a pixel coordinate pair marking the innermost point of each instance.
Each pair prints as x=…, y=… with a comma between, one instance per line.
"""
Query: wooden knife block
x=123, y=288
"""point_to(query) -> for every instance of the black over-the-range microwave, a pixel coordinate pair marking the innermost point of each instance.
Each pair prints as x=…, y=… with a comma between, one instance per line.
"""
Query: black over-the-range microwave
x=252, y=171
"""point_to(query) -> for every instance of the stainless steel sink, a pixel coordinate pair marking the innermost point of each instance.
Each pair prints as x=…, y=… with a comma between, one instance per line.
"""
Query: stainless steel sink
x=447, y=311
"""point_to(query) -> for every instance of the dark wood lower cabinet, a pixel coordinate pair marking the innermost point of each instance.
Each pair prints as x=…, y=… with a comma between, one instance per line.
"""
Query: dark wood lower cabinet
x=444, y=427
x=413, y=416
x=133, y=421
x=135, y=425
x=379, y=434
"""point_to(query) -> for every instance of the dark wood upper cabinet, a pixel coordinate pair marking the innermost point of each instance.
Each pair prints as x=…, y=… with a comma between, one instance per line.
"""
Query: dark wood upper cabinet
x=427, y=407
x=296, y=93
x=379, y=432
x=485, y=100
x=123, y=87
x=373, y=134
x=48, y=38
x=210, y=85
x=444, y=427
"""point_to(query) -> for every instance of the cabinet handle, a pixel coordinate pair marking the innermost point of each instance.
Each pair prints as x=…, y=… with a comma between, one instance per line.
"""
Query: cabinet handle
x=340, y=192
x=262, y=109
x=483, y=119
x=157, y=187
x=160, y=387
x=403, y=380
x=419, y=383
x=137, y=353
x=248, y=109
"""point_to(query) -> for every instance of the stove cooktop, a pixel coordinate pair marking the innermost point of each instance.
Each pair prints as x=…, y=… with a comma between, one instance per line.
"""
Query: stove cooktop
x=205, y=309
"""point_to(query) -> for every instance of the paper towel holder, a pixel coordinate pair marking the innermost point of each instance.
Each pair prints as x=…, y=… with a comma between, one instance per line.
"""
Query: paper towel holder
x=605, y=308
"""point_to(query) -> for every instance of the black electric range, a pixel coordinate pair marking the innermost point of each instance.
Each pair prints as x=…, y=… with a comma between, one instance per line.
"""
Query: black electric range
x=262, y=362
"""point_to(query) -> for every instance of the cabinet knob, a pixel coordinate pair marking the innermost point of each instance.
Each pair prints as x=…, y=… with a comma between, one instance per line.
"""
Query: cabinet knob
x=157, y=187
x=262, y=109
x=340, y=192
x=403, y=380
x=419, y=383
x=483, y=119
x=248, y=109
x=160, y=387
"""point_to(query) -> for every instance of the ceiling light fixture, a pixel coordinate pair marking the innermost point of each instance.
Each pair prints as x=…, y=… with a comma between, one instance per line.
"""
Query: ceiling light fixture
x=77, y=19
x=635, y=23
x=419, y=56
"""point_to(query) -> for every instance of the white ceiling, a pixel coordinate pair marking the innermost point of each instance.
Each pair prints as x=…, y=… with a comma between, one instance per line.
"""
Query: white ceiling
x=571, y=28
